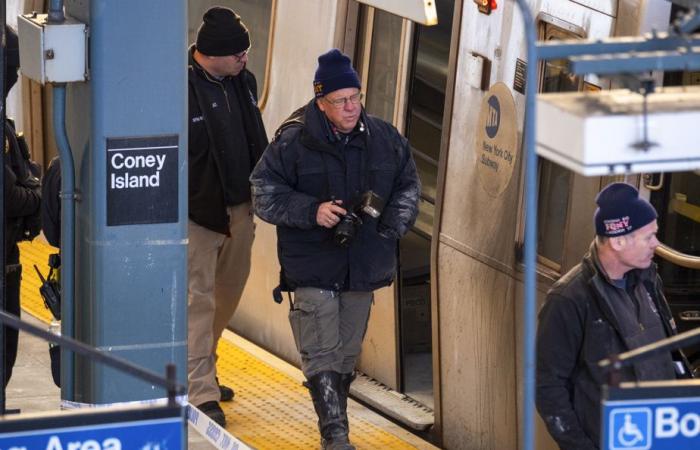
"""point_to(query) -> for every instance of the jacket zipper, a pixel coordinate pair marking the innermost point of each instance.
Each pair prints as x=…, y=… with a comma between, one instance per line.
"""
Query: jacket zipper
x=223, y=89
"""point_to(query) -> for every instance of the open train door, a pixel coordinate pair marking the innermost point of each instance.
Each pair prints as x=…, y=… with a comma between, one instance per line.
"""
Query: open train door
x=676, y=197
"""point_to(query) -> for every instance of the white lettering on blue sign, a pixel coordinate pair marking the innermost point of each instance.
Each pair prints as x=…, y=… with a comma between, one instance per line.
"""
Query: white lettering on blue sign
x=90, y=444
x=669, y=423
x=658, y=424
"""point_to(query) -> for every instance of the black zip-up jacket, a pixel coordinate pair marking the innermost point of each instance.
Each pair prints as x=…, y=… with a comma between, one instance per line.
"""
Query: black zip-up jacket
x=307, y=164
x=578, y=328
x=210, y=133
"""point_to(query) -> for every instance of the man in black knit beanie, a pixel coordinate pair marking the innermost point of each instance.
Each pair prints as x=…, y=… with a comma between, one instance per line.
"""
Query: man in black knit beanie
x=226, y=139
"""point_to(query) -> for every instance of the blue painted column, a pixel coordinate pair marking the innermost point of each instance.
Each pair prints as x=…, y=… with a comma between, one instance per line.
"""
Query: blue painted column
x=128, y=128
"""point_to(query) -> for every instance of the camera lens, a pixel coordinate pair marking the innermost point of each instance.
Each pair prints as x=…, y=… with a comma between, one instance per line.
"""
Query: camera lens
x=346, y=229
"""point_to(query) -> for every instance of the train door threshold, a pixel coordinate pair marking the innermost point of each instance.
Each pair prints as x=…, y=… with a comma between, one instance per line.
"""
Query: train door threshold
x=396, y=405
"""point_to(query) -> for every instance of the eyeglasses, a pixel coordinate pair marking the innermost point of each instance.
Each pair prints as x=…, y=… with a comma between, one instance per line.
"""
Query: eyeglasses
x=239, y=56
x=340, y=102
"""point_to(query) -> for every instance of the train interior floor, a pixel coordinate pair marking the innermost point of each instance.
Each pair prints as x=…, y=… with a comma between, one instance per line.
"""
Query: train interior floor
x=271, y=409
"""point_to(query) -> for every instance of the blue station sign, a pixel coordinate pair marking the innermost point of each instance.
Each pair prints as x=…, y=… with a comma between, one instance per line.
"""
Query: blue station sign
x=96, y=430
x=658, y=424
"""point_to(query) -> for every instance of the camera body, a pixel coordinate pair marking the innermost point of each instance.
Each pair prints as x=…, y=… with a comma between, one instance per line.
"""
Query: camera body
x=370, y=204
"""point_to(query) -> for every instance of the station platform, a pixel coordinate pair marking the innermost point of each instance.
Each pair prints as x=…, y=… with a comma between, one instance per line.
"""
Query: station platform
x=271, y=408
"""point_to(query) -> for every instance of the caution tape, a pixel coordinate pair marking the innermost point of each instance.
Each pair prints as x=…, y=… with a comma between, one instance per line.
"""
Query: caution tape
x=213, y=432
x=210, y=430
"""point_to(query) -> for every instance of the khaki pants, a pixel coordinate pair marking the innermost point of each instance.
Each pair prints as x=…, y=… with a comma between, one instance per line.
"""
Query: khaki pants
x=328, y=328
x=218, y=267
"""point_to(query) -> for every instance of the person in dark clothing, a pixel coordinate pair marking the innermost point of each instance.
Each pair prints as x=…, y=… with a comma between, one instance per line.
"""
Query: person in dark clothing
x=51, y=203
x=610, y=303
x=322, y=164
x=22, y=200
x=226, y=139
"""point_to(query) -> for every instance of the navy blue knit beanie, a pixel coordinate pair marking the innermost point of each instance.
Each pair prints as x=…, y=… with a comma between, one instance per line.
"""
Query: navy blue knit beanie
x=621, y=210
x=334, y=72
x=222, y=33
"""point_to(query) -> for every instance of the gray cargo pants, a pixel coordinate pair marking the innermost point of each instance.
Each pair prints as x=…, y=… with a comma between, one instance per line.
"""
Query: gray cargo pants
x=328, y=328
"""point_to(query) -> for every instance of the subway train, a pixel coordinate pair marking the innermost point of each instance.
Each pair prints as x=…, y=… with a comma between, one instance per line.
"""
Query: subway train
x=447, y=333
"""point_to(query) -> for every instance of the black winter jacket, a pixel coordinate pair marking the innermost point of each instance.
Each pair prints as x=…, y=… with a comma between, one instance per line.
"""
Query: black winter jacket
x=209, y=132
x=22, y=192
x=308, y=164
x=578, y=328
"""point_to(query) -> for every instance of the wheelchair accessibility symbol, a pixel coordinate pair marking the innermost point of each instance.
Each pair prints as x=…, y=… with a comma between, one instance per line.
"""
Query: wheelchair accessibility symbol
x=631, y=429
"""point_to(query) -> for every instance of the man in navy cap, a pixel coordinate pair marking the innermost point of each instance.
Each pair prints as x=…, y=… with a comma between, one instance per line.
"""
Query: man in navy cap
x=226, y=139
x=610, y=303
x=342, y=188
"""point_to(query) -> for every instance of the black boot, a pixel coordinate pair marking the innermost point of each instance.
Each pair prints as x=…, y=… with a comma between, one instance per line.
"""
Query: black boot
x=325, y=394
x=345, y=380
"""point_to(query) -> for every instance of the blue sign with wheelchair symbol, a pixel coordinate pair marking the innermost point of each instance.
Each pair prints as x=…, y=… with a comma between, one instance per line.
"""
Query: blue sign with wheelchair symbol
x=653, y=423
x=630, y=429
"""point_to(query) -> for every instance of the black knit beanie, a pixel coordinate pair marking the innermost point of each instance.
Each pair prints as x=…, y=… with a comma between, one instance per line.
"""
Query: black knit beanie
x=334, y=72
x=621, y=210
x=222, y=33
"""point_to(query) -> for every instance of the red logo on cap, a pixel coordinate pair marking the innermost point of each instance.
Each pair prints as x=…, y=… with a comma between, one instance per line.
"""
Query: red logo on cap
x=617, y=226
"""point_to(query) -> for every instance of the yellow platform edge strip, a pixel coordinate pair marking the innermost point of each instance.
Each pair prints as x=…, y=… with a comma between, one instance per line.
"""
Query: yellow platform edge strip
x=270, y=410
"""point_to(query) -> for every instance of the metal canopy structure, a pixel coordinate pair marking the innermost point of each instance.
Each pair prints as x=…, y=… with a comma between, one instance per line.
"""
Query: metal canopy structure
x=620, y=131
x=675, y=50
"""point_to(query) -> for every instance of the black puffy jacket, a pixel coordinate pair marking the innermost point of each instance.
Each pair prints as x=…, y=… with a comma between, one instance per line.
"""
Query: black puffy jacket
x=308, y=164
x=577, y=328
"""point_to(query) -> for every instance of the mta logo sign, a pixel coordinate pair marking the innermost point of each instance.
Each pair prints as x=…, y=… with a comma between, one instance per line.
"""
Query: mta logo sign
x=493, y=121
x=672, y=424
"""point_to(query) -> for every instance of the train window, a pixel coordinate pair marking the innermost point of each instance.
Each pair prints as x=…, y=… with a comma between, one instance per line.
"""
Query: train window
x=555, y=181
x=257, y=15
x=676, y=197
x=384, y=65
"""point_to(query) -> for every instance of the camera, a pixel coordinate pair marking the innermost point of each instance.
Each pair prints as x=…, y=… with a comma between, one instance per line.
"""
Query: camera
x=370, y=204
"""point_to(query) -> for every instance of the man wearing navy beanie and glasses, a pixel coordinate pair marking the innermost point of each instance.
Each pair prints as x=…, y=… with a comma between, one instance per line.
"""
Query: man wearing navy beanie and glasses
x=610, y=303
x=342, y=188
x=226, y=139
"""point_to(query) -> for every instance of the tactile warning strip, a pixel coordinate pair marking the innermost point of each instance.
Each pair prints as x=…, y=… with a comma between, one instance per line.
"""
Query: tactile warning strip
x=270, y=410
x=31, y=253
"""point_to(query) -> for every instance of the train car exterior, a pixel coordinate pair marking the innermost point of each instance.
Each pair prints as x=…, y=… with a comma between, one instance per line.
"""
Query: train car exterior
x=455, y=309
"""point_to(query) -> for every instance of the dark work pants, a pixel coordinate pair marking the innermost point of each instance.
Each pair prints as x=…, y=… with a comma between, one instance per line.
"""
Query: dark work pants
x=13, y=277
x=328, y=328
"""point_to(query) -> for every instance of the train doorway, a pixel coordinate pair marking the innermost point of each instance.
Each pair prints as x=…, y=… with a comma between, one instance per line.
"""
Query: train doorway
x=424, y=119
x=404, y=69
x=676, y=197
